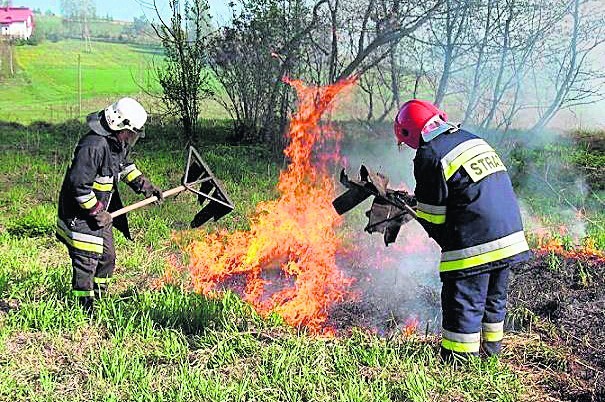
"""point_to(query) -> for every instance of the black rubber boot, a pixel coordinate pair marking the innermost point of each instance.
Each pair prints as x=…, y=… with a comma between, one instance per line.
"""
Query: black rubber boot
x=87, y=303
x=489, y=349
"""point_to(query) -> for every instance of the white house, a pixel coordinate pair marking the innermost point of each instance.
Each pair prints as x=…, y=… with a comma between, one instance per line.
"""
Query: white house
x=16, y=22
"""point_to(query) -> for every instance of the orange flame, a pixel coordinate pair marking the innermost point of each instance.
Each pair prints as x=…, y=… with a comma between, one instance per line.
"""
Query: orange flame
x=548, y=243
x=293, y=236
x=411, y=326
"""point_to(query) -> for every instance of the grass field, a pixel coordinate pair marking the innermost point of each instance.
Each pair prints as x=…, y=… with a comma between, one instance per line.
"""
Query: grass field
x=148, y=344
x=46, y=84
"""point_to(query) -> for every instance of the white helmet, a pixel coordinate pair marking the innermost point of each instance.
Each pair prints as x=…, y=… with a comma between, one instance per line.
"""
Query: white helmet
x=126, y=113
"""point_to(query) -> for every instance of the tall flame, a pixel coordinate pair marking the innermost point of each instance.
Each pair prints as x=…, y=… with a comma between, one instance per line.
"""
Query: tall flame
x=294, y=235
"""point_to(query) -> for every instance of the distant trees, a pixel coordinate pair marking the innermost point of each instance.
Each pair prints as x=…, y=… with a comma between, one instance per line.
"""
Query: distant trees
x=487, y=61
x=141, y=25
x=492, y=61
x=77, y=15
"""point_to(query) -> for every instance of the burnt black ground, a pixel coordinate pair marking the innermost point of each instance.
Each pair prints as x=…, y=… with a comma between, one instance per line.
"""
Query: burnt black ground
x=568, y=295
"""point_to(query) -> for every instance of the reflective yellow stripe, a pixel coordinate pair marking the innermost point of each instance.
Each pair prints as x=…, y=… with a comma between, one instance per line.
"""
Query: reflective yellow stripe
x=483, y=165
x=132, y=175
x=461, y=347
x=102, y=187
x=78, y=244
x=491, y=256
x=431, y=209
x=497, y=244
x=492, y=336
x=82, y=293
x=90, y=203
x=454, y=165
x=83, y=198
x=101, y=280
x=433, y=218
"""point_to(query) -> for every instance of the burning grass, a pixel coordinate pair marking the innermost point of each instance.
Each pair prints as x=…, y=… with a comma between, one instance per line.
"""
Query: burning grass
x=286, y=262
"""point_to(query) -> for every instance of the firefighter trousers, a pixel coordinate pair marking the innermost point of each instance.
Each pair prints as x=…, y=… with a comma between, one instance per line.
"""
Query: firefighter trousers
x=473, y=309
x=92, y=272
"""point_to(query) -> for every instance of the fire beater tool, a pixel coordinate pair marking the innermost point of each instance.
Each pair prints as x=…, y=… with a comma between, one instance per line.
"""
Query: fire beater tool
x=199, y=179
x=390, y=208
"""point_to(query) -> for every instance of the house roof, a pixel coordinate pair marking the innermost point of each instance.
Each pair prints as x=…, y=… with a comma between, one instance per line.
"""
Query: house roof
x=14, y=14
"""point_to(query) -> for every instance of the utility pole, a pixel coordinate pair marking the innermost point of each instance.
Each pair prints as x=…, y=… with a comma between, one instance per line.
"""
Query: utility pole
x=79, y=85
x=10, y=57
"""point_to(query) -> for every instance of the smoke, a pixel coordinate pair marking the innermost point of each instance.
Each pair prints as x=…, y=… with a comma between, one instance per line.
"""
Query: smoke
x=397, y=286
x=553, y=192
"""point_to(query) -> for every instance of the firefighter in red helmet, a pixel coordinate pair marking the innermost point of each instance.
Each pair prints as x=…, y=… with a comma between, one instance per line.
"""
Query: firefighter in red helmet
x=466, y=203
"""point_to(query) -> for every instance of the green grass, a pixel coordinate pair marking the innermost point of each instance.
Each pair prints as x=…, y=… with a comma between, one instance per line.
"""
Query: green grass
x=170, y=344
x=46, y=84
x=562, y=183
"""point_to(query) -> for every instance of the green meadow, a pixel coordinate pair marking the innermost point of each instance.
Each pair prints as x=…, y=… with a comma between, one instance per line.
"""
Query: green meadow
x=146, y=343
x=46, y=86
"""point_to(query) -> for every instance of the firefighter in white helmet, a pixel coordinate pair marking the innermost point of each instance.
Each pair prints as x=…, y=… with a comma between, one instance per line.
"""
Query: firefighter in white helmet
x=89, y=193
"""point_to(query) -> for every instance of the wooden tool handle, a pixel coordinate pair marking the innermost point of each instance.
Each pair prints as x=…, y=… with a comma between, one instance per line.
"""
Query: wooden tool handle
x=147, y=201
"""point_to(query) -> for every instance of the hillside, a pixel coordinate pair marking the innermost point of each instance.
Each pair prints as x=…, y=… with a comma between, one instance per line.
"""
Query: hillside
x=46, y=83
x=54, y=28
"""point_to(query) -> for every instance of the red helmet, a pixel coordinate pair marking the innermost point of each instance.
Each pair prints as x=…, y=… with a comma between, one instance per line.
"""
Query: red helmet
x=412, y=118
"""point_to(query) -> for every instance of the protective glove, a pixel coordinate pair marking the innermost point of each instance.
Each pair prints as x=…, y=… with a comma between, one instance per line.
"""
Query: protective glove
x=148, y=189
x=100, y=218
x=103, y=219
x=154, y=190
x=158, y=193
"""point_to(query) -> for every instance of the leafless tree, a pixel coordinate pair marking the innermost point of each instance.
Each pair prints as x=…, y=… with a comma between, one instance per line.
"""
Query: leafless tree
x=450, y=37
x=520, y=29
x=356, y=36
x=390, y=80
x=485, y=33
x=575, y=80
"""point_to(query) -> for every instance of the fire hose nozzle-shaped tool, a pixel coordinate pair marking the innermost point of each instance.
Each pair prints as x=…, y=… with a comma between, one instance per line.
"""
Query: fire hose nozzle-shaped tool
x=390, y=208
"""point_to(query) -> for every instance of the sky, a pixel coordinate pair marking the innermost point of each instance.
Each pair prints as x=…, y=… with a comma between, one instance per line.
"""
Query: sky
x=124, y=9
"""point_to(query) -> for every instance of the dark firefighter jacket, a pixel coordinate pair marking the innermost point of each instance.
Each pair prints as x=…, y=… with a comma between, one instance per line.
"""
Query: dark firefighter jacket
x=467, y=204
x=100, y=162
